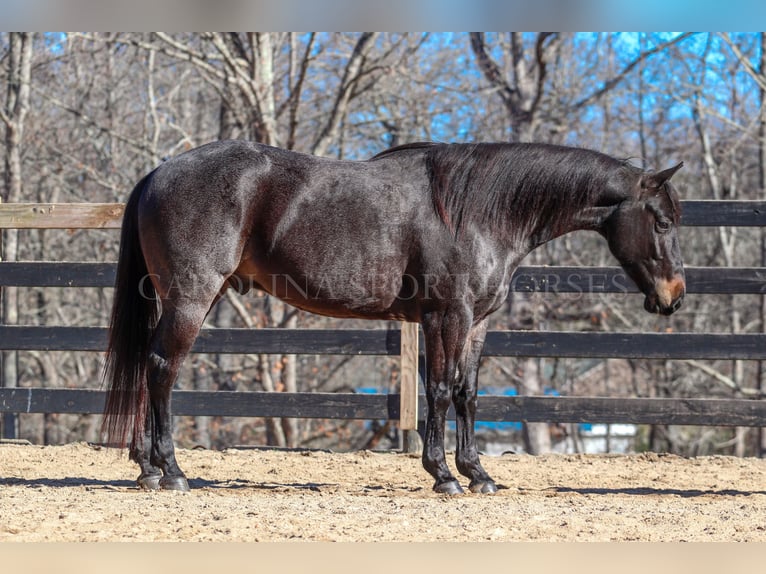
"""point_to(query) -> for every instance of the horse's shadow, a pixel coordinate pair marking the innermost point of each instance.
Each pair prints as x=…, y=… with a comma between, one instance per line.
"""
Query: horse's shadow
x=286, y=486
x=648, y=491
x=66, y=482
x=194, y=483
x=237, y=483
x=242, y=483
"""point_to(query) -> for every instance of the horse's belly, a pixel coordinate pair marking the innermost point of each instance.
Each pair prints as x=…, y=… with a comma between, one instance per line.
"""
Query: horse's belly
x=340, y=292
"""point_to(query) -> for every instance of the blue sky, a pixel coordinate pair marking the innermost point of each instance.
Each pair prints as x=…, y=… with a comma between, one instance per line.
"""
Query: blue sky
x=401, y=15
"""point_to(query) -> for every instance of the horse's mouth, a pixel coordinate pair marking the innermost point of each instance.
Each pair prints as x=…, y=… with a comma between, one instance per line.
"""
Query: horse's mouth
x=652, y=305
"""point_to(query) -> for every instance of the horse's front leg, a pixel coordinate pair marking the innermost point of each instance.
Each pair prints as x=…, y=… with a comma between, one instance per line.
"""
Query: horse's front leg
x=464, y=396
x=444, y=336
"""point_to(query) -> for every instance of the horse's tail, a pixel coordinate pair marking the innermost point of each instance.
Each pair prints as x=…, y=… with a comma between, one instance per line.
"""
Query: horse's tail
x=135, y=312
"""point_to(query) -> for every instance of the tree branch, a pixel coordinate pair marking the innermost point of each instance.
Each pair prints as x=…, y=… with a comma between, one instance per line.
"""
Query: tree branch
x=295, y=93
x=351, y=75
x=542, y=67
x=759, y=77
x=611, y=83
x=721, y=378
x=138, y=145
x=491, y=71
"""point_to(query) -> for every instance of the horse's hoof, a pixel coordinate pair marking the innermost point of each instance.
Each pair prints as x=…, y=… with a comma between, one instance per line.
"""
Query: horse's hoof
x=178, y=483
x=149, y=482
x=449, y=487
x=483, y=487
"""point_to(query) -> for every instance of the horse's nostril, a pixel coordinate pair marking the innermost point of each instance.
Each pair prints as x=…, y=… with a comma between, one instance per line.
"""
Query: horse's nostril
x=674, y=306
x=677, y=287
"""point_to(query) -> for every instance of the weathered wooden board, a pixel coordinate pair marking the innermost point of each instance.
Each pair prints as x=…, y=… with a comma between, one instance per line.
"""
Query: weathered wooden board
x=269, y=341
x=706, y=412
x=388, y=342
x=61, y=215
x=713, y=213
x=409, y=377
x=539, y=278
x=57, y=274
x=578, y=280
x=625, y=345
x=742, y=213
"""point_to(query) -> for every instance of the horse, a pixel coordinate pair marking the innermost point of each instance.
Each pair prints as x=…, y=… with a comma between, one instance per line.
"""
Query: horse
x=424, y=232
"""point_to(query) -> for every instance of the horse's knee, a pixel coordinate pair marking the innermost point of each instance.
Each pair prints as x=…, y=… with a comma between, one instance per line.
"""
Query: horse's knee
x=465, y=398
x=439, y=396
x=465, y=393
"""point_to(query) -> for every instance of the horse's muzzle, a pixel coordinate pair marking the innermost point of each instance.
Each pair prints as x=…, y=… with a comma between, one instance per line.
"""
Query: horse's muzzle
x=668, y=296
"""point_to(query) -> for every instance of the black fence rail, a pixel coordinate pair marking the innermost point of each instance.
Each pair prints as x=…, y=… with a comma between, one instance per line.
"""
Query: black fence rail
x=720, y=412
x=581, y=345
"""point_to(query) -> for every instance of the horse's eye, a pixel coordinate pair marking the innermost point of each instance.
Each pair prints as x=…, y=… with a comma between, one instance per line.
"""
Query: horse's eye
x=662, y=226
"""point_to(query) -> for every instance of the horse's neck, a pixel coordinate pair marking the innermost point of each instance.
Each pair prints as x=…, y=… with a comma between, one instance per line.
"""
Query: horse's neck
x=578, y=216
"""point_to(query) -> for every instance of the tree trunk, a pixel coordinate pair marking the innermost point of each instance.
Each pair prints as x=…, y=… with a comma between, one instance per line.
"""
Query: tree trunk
x=13, y=114
x=762, y=185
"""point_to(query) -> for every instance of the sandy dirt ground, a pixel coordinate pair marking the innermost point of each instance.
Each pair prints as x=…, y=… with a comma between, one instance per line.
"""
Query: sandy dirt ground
x=78, y=492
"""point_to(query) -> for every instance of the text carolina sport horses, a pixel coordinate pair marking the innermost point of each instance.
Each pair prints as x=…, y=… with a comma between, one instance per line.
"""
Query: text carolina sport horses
x=425, y=232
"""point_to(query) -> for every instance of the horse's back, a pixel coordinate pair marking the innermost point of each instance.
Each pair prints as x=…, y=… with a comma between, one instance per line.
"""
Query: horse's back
x=337, y=237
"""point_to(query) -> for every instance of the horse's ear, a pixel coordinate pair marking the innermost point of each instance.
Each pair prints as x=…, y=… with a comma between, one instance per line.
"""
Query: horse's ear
x=654, y=180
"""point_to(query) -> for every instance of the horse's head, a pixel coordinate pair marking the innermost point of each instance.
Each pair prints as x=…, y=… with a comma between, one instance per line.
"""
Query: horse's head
x=643, y=234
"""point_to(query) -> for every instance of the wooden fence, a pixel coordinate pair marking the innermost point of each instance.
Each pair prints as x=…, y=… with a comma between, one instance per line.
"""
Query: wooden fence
x=405, y=407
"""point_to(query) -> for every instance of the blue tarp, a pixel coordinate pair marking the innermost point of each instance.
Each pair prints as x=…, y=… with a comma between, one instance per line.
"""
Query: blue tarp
x=494, y=425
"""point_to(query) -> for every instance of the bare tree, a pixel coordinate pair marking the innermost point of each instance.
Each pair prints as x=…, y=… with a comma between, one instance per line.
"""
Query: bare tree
x=531, y=66
x=13, y=115
x=520, y=81
x=758, y=74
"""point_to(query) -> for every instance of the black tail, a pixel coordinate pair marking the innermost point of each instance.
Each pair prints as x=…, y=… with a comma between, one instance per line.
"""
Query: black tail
x=135, y=312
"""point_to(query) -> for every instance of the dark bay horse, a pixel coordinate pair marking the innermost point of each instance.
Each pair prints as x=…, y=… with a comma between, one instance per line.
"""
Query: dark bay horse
x=429, y=233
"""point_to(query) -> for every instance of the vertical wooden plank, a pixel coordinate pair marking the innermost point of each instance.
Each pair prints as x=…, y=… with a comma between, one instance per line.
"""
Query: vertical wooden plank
x=408, y=415
x=9, y=425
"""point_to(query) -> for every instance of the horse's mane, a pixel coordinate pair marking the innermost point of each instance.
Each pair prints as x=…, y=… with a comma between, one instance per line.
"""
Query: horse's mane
x=403, y=148
x=513, y=186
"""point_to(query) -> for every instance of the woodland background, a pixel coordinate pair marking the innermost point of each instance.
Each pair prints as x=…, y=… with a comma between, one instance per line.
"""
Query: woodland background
x=85, y=115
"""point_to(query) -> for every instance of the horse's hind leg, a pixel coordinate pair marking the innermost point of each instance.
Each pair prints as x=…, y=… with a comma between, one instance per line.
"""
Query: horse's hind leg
x=140, y=452
x=464, y=397
x=172, y=340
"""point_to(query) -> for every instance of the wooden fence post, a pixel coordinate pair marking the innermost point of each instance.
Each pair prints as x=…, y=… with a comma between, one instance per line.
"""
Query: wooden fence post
x=408, y=411
x=9, y=429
